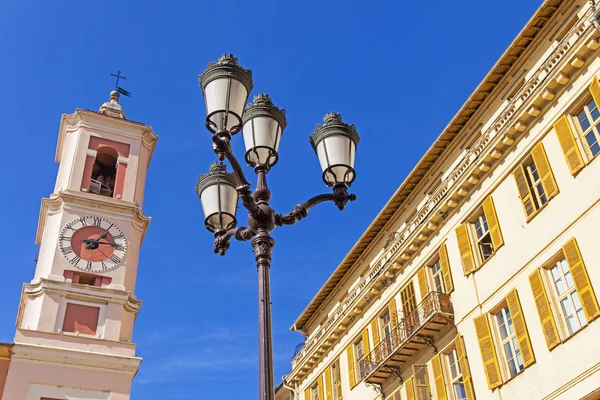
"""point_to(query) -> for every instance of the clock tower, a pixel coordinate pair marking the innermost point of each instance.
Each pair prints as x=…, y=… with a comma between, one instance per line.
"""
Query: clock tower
x=76, y=316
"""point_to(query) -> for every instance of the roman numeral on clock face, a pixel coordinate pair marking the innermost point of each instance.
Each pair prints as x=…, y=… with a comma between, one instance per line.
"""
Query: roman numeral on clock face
x=75, y=260
x=115, y=259
x=97, y=221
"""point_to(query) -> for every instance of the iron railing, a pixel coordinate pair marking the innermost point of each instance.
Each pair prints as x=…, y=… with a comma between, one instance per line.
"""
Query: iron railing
x=434, y=303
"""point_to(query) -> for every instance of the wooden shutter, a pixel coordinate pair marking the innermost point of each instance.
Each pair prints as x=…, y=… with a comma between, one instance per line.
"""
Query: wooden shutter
x=350, y=357
x=423, y=284
x=445, y=266
x=464, y=366
x=307, y=394
x=393, y=313
x=320, y=387
x=438, y=378
x=566, y=138
x=492, y=220
x=365, y=341
x=524, y=191
x=595, y=90
x=466, y=251
x=581, y=279
x=327, y=382
x=544, y=311
x=488, y=351
x=375, y=331
x=410, y=390
x=518, y=319
x=543, y=166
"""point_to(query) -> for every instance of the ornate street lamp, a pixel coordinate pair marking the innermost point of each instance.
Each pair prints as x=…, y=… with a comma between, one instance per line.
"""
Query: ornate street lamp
x=226, y=86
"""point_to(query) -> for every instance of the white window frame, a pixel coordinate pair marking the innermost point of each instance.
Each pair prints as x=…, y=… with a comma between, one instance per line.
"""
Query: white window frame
x=453, y=380
x=62, y=309
x=481, y=218
x=540, y=197
x=569, y=292
x=511, y=340
x=437, y=275
x=593, y=128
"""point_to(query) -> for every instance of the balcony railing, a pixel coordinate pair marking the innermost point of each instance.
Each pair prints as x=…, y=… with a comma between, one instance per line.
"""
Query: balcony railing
x=436, y=309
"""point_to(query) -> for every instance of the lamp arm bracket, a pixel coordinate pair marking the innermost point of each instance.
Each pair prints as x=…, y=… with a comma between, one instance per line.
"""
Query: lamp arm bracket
x=222, y=146
x=340, y=197
x=223, y=238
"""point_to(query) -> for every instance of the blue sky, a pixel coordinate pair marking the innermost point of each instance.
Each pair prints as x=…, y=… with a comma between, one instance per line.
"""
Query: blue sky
x=397, y=70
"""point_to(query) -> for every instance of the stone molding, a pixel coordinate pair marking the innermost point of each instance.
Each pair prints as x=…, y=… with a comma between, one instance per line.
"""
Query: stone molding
x=479, y=160
x=88, y=202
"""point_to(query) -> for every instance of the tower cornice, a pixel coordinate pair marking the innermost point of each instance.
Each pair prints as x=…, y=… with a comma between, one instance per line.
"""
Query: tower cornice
x=95, y=121
x=83, y=201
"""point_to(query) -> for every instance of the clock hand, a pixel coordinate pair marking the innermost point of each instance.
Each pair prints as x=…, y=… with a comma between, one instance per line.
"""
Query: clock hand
x=113, y=244
x=103, y=235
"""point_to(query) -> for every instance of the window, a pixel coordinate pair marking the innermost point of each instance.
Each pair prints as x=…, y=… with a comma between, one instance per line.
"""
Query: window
x=359, y=352
x=504, y=343
x=567, y=296
x=456, y=379
x=508, y=339
x=438, y=277
x=535, y=181
x=336, y=380
x=314, y=392
x=479, y=238
x=588, y=118
x=483, y=237
x=421, y=383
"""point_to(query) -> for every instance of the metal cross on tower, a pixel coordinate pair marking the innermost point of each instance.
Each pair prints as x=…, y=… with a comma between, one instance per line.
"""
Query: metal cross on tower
x=118, y=76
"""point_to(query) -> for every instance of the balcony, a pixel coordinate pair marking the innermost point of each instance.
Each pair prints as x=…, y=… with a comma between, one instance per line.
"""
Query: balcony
x=413, y=332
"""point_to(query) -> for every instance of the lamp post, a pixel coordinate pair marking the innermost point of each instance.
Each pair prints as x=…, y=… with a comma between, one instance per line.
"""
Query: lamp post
x=226, y=87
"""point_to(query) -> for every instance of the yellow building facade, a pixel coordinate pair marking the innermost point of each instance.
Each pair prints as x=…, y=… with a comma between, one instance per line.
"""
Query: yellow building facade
x=480, y=277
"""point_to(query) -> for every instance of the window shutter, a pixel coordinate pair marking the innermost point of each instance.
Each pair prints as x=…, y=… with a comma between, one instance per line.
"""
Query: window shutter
x=445, y=266
x=320, y=387
x=544, y=311
x=423, y=284
x=595, y=90
x=466, y=251
x=488, y=351
x=328, y=387
x=350, y=357
x=581, y=279
x=523, y=188
x=543, y=166
x=410, y=390
x=516, y=313
x=393, y=313
x=307, y=394
x=464, y=367
x=566, y=138
x=438, y=378
x=365, y=341
x=375, y=331
x=492, y=219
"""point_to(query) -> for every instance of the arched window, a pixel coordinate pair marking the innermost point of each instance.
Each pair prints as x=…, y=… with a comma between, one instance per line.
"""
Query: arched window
x=104, y=171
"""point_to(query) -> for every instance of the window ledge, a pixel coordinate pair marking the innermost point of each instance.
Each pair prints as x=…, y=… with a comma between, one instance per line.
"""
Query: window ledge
x=536, y=212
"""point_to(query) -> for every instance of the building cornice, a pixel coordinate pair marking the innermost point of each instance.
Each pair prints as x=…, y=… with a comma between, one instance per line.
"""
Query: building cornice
x=523, y=110
x=86, y=202
x=464, y=115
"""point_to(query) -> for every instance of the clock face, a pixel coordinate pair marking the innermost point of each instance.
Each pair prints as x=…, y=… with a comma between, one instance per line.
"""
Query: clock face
x=93, y=244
